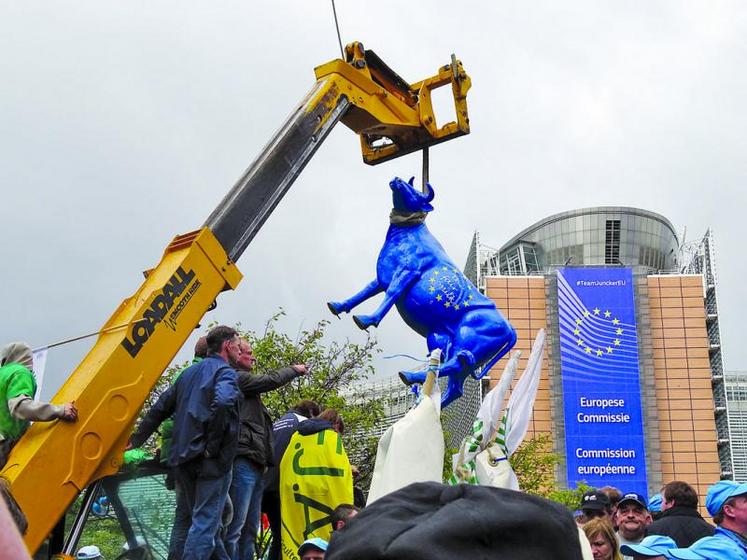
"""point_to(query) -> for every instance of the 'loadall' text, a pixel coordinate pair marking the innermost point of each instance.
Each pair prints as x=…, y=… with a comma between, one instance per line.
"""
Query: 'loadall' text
x=159, y=307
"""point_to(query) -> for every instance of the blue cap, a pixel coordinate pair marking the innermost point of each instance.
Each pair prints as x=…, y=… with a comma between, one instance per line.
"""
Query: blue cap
x=655, y=503
x=633, y=497
x=722, y=491
x=708, y=548
x=654, y=545
x=315, y=542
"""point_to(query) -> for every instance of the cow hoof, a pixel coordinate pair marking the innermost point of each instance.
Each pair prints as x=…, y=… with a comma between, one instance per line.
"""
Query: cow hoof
x=334, y=308
x=412, y=377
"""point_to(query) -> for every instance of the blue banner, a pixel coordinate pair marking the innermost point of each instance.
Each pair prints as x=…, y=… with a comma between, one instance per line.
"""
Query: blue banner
x=601, y=387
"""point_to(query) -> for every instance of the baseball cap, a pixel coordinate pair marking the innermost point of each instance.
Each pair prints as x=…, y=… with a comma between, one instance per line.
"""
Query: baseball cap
x=88, y=552
x=720, y=492
x=595, y=500
x=655, y=503
x=708, y=548
x=315, y=542
x=654, y=545
x=633, y=497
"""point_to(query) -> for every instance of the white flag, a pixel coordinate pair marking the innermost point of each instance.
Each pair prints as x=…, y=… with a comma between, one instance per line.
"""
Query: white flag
x=483, y=455
x=521, y=403
x=40, y=362
x=484, y=427
x=412, y=449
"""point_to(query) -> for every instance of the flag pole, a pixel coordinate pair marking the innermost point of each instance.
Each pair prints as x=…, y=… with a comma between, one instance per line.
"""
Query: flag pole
x=81, y=337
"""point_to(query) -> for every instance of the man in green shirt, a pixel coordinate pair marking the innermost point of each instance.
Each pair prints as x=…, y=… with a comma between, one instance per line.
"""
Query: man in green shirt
x=17, y=405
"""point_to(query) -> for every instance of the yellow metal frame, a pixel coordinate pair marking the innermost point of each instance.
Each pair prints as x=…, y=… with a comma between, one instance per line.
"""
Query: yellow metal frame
x=379, y=111
x=110, y=386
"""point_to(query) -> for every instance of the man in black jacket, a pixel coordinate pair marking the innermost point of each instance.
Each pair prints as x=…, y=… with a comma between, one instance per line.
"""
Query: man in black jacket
x=680, y=519
x=255, y=452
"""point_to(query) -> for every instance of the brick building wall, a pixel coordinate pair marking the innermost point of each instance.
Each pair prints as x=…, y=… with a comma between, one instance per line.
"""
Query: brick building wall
x=676, y=325
x=522, y=299
x=687, y=428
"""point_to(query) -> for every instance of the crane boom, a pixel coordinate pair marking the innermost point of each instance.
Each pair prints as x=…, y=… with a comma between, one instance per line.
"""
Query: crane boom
x=246, y=207
x=54, y=462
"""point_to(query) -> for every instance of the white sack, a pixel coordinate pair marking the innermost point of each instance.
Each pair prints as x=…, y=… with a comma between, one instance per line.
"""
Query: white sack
x=411, y=450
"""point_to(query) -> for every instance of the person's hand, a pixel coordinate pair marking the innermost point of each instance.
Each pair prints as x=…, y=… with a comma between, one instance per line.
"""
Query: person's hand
x=70, y=413
x=301, y=369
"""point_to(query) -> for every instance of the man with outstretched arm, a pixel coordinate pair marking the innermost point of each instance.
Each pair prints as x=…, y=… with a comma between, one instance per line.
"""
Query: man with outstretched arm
x=255, y=452
x=17, y=391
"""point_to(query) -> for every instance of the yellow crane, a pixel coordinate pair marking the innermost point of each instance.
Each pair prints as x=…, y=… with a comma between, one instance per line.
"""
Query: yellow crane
x=54, y=462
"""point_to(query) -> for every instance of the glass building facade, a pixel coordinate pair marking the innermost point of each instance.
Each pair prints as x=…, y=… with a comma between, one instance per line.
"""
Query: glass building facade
x=736, y=395
x=611, y=235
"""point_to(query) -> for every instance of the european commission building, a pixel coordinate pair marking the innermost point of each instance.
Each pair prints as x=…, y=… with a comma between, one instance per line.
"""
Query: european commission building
x=632, y=392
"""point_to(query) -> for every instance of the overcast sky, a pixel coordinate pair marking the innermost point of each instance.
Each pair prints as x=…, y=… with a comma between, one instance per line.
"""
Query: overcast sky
x=124, y=123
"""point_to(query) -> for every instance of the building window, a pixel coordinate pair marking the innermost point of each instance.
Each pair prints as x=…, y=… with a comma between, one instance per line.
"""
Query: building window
x=612, y=242
x=519, y=260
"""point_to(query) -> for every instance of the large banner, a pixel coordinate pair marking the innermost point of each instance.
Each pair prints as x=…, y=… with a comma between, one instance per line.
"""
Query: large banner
x=601, y=388
x=315, y=478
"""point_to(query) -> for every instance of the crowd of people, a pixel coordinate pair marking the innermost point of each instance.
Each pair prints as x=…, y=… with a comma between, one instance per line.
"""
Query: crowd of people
x=230, y=463
x=229, y=459
x=668, y=526
x=224, y=453
x=243, y=459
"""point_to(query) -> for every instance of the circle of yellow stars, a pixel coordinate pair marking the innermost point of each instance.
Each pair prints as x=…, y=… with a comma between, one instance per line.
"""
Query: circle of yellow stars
x=449, y=288
x=598, y=351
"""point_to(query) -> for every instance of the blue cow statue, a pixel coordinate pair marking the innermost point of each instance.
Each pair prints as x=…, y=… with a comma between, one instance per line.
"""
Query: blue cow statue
x=433, y=297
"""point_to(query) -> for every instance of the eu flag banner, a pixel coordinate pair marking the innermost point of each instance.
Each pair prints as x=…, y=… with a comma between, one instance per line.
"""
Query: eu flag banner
x=601, y=386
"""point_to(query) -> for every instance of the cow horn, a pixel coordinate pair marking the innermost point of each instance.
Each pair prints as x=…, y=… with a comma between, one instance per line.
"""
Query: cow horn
x=431, y=194
x=411, y=182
